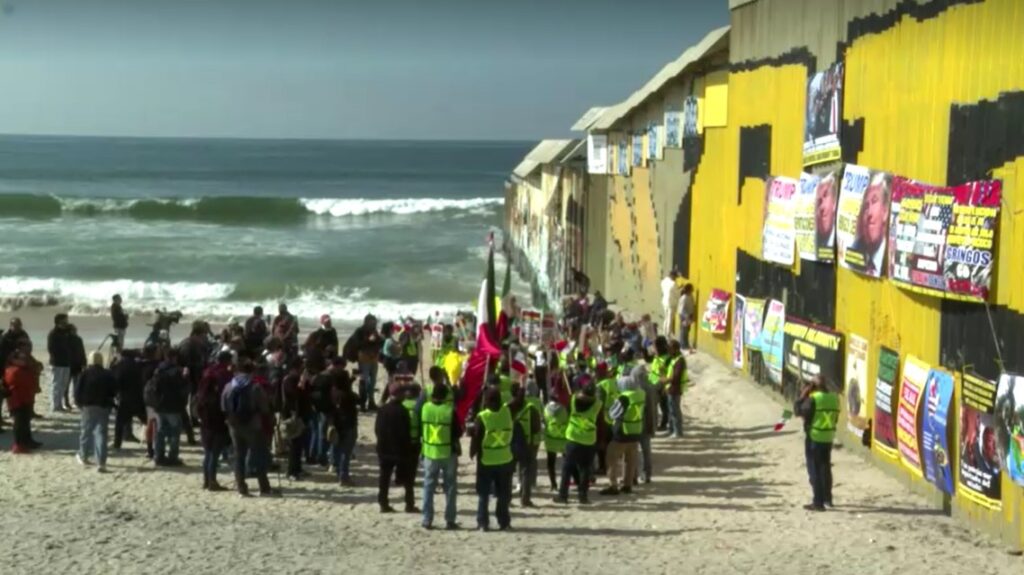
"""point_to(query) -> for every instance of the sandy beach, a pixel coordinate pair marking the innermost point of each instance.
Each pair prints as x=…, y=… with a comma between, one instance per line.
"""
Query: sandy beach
x=725, y=499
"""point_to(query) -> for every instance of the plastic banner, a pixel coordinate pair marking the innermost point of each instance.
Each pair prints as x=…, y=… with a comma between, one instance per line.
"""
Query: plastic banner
x=738, y=349
x=690, y=128
x=857, y=385
x=824, y=116
x=803, y=218
x=653, y=141
x=863, y=220
x=813, y=351
x=1009, y=417
x=753, y=322
x=915, y=375
x=884, y=433
x=980, y=474
x=773, y=338
x=779, y=236
x=938, y=459
x=638, y=149
x=673, y=126
x=716, y=312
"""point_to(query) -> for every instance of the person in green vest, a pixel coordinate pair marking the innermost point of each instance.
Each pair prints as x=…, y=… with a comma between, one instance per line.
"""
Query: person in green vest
x=581, y=436
x=627, y=361
x=528, y=419
x=440, y=431
x=505, y=380
x=627, y=414
x=556, y=420
x=658, y=373
x=411, y=395
x=438, y=377
x=819, y=407
x=677, y=380
x=491, y=446
x=607, y=392
x=448, y=344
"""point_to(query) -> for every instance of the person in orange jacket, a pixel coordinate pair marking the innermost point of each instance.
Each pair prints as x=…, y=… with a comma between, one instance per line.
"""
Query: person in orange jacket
x=21, y=380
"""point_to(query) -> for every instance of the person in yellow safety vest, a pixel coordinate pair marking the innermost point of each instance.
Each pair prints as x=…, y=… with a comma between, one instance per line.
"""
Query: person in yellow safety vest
x=628, y=415
x=677, y=379
x=440, y=431
x=491, y=445
x=581, y=436
x=505, y=380
x=658, y=374
x=528, y=418
x=818, y=405
x=607, y=392
x=556, y=420
x=448, y=345
x=627, y=361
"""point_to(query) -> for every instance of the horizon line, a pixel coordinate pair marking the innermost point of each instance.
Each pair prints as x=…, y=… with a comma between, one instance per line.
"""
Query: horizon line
x=264, y=138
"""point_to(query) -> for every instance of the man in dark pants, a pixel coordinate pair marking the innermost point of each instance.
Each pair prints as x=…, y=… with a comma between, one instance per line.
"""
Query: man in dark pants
x=491, y=446
x=393, y=450
x=819, y=407
x=130, y=405
x=244, y=404
x=581, y=436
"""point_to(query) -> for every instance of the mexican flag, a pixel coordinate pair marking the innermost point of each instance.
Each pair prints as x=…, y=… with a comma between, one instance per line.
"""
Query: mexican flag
x=489, y=333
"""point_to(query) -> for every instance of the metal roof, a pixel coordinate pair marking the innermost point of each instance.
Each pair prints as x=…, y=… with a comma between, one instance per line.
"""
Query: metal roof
x=525, y=168
x=549, y=151
x=734, y=4
x=588, y=118
x=715, y=39
x=579, y=151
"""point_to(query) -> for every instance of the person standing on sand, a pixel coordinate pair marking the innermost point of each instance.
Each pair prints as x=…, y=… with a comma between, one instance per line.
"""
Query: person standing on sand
x=21, y=379
x=687, y=313
x=491, y=446
x=393, y=448
x=94, y=395
x=627, y=414
x=12, y=338
x=166, y=393
x=244, y=405
x=120, y=321
x=78, y=363
x=61, y=349
x=365, y=345
x=441, y=433
x=213, y=425
x=345, y=418
x=556, y=420
x=581, y=436
x=677, y=380
x=529, y=421
x=819, y=407
x=669, y=300
x=286, y=328
x=255, y=332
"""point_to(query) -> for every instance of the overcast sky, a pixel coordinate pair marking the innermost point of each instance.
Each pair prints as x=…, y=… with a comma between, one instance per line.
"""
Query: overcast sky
x=417, y=69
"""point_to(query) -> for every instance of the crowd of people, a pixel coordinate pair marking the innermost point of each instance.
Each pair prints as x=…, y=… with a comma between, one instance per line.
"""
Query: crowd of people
x=257, y=396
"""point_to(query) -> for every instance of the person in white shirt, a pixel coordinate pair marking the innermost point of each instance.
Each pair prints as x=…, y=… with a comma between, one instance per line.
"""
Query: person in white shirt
x=687, y=312
x=669, y=300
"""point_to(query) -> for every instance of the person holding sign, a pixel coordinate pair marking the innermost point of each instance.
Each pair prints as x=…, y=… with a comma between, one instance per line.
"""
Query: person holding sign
x=819, y=407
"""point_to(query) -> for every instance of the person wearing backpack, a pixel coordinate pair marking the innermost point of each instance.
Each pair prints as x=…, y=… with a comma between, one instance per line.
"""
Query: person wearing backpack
x=213, y=428
x=166, y=394
x=627, y=414
x=244, y=404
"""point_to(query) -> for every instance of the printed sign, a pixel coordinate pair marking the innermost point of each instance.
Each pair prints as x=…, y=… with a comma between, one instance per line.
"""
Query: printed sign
x=737, y=332
x=690, y=129
x=773, y=339
x=826, y=205
x=857, y=384
x=938, y=459
x=716, y=313
x=673, y=126
x=803, y=218
x=597, y=153
x=863, y=220
x=531, y=328
x=812, y=351
x=779, y=235
x=548, y=329
x=915, y=375
x=980, y=474
x=753, y=321
x=970, y=243
x=884, y=433
x=1010, y=425
x=824, y=116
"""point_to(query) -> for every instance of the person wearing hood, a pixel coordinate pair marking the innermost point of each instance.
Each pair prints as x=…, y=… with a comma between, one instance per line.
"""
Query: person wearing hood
x=213, y=428
x=78, y=364
x=244, y=404
x=166, y=394
x=392, y=429
x=21, y=378
x=627, y=415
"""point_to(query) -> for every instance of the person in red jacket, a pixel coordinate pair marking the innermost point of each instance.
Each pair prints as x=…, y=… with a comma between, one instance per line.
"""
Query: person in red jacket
x=21, y=378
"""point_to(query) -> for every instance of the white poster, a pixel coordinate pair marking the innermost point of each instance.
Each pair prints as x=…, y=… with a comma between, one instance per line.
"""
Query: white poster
x=857, y=384
x=803, y=217
x=597, y=153
x=779, y=236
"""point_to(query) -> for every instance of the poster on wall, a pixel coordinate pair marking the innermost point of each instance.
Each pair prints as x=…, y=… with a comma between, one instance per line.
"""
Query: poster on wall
x=673, y=126
x=938, y=464
x=623, y=157
x=1009, y=418
x=813, y=351
x=970, y=245
x=737, y=332
x=803, y=218
x=884, y=432
x=653, y=141
x=530, y=325
x=856, y=390
x=548, y=329
x=773, y=338
x=690, y=117
x=824, y=116
x=915, y=375
x=980, y=477
x=826, y=205
x=597, y=153
x=904, y=220
x=638, y=149
x=753, y=321
x=716, y=312
x=863, y=220
x=778, y=238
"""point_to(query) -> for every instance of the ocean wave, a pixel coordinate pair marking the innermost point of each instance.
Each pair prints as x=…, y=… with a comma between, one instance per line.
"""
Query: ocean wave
x=234, y=209
x=213, y=301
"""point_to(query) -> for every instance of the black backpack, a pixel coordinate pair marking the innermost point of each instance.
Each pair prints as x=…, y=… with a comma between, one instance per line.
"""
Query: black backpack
x=240, y=407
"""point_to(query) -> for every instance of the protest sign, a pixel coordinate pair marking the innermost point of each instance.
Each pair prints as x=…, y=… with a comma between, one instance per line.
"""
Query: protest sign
x=716, y=312
x=813, y=351
x=980, y=474
x=778, y=238
x=1009, y=418
x=884, y=433
x=773, y=338
x=915, y=375
x=938, y=459
x=673, y=126
x=597, y=154
x=738, y=351
x=856, y=390
x=803, y=217
x=824, y=116
x=863, y=220
x=753, y=321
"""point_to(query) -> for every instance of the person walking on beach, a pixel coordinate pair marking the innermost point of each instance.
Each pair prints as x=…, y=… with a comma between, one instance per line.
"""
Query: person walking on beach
x=393, y=448
x=94, y=395
x=365, y=347
x=441, y=433
x=166, y=393
x=627, y=414
x=60, y=346
x=244, y=404
x=581, y=436
x=120, y=321
x=213, y=425
x=687, y=313
x=21, y=379
x=127, y=371
x=491, y=445
x=819, y=407
x=529, y=421
x=556, y=420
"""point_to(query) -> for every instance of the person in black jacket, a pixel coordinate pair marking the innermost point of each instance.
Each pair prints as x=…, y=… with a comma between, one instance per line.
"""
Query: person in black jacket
x=120, y=320
x=60, y=347
x=346, y=425
x=393, y=448
x=167, y=394
x=94, y=394
x=78, y=363
x=128, y=374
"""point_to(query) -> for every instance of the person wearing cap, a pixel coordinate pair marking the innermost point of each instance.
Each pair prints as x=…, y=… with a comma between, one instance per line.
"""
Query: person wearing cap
x=818, y=405
x=120, y=321
x=393, y=450
x=491, y=446
x=528, y=419
x=441, y=432
x=627, y=414
x=581, y=436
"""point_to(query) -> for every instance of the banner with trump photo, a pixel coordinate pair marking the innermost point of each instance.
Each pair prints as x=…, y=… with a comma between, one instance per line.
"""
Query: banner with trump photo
x=778, y=235
x=813, y=351
x=863, y=220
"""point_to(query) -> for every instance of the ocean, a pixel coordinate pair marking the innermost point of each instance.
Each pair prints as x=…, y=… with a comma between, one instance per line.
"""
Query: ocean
x=214, y=227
